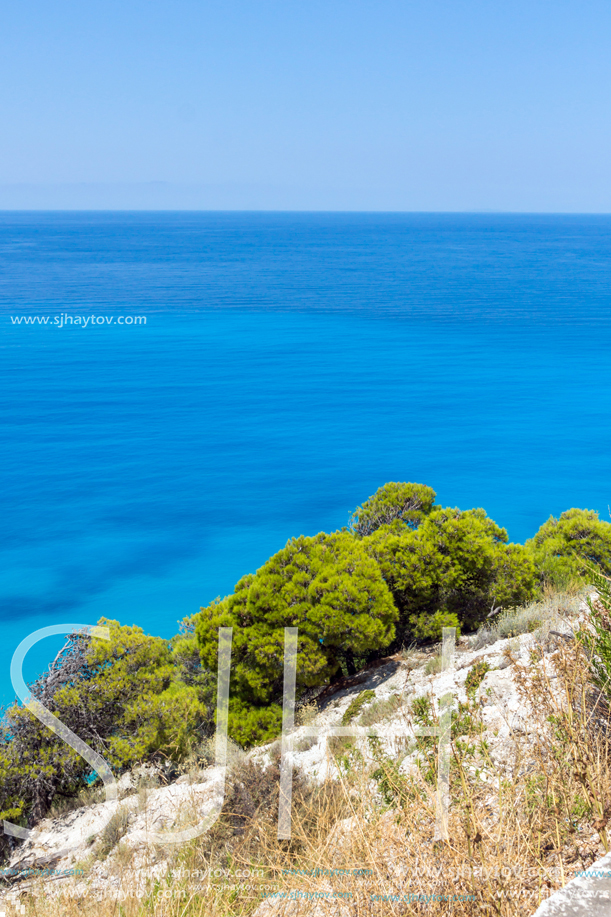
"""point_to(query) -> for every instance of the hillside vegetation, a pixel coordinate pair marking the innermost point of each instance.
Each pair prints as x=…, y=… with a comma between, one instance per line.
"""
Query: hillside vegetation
x=400, y=571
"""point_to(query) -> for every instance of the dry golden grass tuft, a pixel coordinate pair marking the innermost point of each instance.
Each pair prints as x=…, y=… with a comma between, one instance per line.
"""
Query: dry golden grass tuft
x=521, y=822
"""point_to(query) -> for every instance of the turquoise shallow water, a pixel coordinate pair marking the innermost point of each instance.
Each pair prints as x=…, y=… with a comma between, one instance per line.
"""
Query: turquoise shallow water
x=289, y=365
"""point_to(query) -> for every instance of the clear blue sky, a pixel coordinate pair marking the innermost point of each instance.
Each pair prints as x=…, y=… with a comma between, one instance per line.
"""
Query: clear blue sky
x=316, y=104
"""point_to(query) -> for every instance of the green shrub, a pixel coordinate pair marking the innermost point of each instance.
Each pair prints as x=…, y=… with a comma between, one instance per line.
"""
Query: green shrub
x=476, y=675
x=396, y=504
x=122, y=696
x=356, y=705
x=328, y=587
x=339, y=746
x=422, y=710
x=430, y=627
x=395, y=789
x=564, y=549
x=252, y=725
x=450, y=570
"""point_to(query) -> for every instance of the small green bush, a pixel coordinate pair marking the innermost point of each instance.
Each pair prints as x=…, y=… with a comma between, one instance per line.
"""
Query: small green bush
x=338, y=746
x=356, y=705
x=476, y=675
x=422, y=710
x=394, y=787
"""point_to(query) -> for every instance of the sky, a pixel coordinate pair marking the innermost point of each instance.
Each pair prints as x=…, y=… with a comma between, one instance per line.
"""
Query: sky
x=442, y=105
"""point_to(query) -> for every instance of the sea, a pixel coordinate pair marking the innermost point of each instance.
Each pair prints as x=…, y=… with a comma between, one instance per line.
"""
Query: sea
x=181, y=393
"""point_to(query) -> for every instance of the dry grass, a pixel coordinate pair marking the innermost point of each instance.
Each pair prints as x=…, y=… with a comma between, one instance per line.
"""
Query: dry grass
x=433, y=666
x=88, y=796
x=520, y=825
x=113, y=832
x=381, y=709
x=306, y=713
x=550, y=610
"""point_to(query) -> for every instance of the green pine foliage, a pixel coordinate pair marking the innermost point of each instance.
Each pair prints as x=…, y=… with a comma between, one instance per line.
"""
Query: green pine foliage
x=565, y=548
x=450, y=571
x=394, y=504
x=327, y=586
x=123, y=697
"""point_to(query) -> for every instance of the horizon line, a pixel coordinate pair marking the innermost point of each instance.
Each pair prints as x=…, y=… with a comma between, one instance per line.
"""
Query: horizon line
x=276, y=210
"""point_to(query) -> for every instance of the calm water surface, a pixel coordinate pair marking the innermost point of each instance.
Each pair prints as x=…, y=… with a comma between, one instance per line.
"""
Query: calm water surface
x=289, y=365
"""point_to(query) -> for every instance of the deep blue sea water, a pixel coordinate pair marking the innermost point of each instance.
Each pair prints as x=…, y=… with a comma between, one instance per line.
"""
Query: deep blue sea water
x=290, y=364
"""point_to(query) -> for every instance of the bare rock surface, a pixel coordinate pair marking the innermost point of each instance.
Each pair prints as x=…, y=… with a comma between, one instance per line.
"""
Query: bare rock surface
x=587, y=895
